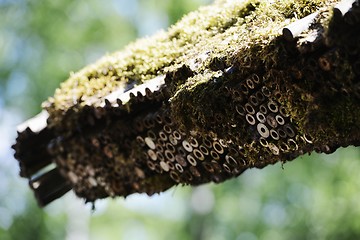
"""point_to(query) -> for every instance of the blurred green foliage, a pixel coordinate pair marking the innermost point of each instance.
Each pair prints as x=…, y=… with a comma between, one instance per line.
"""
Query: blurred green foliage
x=313, y=197
x=41, y=42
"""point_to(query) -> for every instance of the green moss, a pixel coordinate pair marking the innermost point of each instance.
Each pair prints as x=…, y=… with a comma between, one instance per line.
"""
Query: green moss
x=229, y=30
x=252, y=49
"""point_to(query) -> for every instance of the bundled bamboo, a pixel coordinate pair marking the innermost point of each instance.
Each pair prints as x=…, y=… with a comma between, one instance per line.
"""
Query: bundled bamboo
x=233, y=86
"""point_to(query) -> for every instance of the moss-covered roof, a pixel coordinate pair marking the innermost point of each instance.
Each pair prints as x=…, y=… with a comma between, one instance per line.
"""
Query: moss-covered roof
x=226, y=29
x=227, y=88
